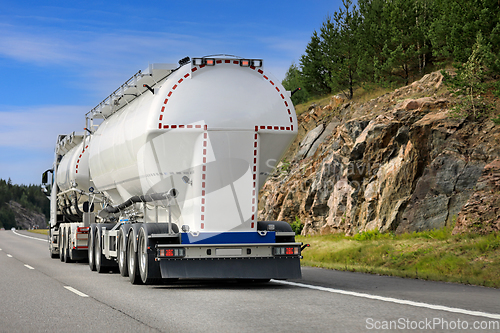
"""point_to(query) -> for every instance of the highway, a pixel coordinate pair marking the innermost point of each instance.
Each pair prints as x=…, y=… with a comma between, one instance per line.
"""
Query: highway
x=39, y=294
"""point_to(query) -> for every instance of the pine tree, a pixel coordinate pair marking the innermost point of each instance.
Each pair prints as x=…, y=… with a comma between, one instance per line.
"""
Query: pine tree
x=314, y=73
x=293, y=80
x=340, y=48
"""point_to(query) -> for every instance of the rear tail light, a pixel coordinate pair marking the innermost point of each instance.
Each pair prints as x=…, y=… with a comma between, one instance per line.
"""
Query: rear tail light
x=176, y=252
x=286, y=251
x=82, y=230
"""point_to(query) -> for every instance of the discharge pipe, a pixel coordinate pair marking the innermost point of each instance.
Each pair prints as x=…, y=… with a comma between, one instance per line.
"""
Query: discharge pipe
x=138, y=198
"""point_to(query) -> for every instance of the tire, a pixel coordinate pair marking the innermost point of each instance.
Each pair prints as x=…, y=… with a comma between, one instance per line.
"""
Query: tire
x=67, y=258
x=99, y=265
x=133, y=272
x=62, y=251
x=121, y=248
x=143, y=258
x=51, y=248
x=90, y=245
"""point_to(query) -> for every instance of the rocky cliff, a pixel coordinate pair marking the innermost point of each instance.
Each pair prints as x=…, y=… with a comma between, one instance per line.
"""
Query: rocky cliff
x=398, y=163
x=27, y=219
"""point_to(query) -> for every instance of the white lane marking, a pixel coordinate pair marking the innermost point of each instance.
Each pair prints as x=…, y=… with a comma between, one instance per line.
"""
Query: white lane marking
x=393, y=300
x=79, y=293
x=40, y=239
x=8, y=255
x=28, y=266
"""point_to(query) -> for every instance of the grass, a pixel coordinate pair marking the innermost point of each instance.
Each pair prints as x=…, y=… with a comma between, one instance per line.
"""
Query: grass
x=431, y=255
x=39, y=231
x=361, y=95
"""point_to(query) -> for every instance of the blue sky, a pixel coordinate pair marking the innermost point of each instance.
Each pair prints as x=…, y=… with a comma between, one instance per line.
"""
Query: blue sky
x=58, y=59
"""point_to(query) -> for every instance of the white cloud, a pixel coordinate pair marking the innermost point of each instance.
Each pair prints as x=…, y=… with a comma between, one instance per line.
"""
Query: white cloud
x=34, y=128
x=28, y=136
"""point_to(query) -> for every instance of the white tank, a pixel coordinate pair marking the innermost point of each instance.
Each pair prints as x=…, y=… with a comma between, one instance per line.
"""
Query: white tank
x=214, y=133
x=73, y=169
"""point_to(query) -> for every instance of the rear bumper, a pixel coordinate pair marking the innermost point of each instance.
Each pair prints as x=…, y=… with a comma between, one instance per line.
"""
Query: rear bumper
x=232, y=268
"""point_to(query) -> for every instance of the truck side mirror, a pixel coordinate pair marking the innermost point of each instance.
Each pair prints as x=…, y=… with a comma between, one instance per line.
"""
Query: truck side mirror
x=45, y=176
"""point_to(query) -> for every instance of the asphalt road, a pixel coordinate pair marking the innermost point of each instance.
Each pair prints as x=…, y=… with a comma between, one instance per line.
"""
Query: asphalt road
x=39, y=294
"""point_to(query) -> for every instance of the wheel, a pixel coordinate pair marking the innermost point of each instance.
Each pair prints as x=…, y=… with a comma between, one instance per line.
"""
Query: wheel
x=62, y=252
x=133, y=273
x=121, y=249
x=143, y=258
x=98, y=253
x=67, y=257
x=90, y=245
x=51, y=247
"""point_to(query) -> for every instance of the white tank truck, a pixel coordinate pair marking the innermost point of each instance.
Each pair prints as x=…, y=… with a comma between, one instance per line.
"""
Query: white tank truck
x=163, y=182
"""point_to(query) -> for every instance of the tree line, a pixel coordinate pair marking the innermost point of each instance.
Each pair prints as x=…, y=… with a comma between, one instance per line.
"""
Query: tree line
x=30, y=197
x=388, y=42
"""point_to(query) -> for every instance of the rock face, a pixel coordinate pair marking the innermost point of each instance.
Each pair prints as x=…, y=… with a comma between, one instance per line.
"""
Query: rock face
x=397, y=163
x=26, y=219
x=481, y=213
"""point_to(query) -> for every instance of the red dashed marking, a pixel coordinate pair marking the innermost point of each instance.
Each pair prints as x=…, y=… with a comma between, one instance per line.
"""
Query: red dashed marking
x=80, y=158
x=236, y=62
x=255, y=150
x=203, y=176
